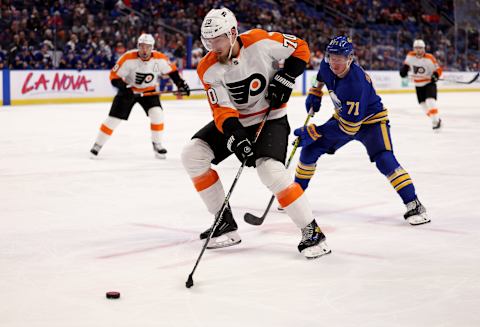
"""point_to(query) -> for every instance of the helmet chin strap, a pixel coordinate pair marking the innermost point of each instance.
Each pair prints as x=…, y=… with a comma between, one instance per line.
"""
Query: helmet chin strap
x=231, y=46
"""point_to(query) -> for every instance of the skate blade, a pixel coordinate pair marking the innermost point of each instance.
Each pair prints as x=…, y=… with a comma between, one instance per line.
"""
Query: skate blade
x=316, y=251
x=418, y=220
x=223, y=241
x=160, y=156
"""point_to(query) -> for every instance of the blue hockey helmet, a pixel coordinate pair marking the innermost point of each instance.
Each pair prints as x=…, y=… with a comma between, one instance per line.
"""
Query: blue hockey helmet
x=340, y=45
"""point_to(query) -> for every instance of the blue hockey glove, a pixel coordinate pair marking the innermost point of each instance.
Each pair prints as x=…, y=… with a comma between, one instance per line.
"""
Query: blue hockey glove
x=314, y=99
x=307, y=135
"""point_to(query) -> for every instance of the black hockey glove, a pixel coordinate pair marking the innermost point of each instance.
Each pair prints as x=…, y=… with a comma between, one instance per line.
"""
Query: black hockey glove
x=435, y=77
x=238, y=142
x=404, y=70
x=183, y=88
x=123, y=89
x=280, y=88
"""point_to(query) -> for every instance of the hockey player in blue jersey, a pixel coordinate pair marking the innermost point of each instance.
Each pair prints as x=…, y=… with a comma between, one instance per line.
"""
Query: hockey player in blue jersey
x=359, y=115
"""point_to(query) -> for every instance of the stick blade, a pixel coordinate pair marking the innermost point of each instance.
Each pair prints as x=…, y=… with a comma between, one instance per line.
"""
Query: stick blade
x=252, y=219
x=189, y=282
x=475, y=78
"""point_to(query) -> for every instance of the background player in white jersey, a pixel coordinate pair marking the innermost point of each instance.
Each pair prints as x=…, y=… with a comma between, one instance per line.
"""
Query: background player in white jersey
x=137, y=72
x=425, y=73
x=241, y=77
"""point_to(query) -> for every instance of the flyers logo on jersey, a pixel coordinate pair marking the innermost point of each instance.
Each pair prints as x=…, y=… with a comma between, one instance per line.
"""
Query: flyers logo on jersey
x=141, y=78
x=251, y=86
x=418, y=70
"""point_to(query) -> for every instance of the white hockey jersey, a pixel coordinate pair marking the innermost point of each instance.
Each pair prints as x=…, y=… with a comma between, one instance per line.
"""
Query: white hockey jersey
x=139, y=73
x=238, y=89
x=422, y=68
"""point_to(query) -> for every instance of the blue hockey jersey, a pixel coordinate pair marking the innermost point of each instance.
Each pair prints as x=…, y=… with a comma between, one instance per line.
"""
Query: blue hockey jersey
x=355, y=100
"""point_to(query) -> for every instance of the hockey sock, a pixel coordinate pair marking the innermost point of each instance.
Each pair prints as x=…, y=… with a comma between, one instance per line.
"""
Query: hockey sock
x=196, y=158
x=156, y=124
x=396, y=175
x=432, y=110
x=295, y=204
x=276, y=178
x=304, y=173
x=106, y=130
x=210, y=189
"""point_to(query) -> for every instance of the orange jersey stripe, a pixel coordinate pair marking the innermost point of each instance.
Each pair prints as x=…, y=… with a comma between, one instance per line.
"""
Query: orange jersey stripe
x=289, y=194
x=261, y=112
x=143, y=89
x=420, y=80
x=205, y=180
x=301, y=47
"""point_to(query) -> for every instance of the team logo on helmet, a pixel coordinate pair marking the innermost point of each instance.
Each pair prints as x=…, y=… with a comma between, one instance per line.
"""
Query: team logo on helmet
x=251, y=86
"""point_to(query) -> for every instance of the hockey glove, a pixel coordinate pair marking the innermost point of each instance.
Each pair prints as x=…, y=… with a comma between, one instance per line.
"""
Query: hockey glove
x=238, y=142
x=307, y=135
x=314, y=99
x=435, y=77
x=280, y=89
x=123, y=89
x=404, y=71
x=183, y=88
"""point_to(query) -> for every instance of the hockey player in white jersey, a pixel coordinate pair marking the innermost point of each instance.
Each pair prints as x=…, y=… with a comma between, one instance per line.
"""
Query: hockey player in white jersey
x=137, y=72
x=425, y=73
x=242, y=78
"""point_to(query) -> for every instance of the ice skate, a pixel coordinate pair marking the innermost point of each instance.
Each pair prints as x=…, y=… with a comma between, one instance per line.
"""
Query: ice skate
x=313, y=243
x=159, y=150
x=95, y=150
x=437, y=125
x=416, y=213
x=225, y=234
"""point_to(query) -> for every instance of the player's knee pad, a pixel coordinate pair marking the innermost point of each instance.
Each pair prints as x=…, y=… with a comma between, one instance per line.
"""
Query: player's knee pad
x=386, y=162
x=431, y=103
x=273, y=174
x=197, y=157
x=112, y=122
x=156, y=115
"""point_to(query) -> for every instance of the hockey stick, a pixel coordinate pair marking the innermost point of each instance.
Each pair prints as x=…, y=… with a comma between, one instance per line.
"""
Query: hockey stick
x=149, y=94
x=189, y=282
x=251, y=218
x=461, y=82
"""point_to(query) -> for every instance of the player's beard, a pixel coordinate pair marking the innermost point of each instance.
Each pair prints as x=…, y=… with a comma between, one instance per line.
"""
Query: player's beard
x=223, y=57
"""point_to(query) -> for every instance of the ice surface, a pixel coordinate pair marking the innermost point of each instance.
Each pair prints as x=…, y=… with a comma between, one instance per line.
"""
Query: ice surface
x=72, y=228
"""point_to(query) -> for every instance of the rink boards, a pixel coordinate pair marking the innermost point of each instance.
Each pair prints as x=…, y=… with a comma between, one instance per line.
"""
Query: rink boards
x=20, y=87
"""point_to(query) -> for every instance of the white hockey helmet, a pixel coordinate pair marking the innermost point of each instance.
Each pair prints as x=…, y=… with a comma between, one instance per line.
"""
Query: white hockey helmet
x=418, y=43
x=146, y=39
x=218, y=22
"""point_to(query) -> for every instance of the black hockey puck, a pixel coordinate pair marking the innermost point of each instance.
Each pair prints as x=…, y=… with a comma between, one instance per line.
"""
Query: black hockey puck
x=112, y=295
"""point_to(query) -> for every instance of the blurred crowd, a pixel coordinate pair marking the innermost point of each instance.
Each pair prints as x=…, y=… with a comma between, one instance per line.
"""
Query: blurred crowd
x=89, y=34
